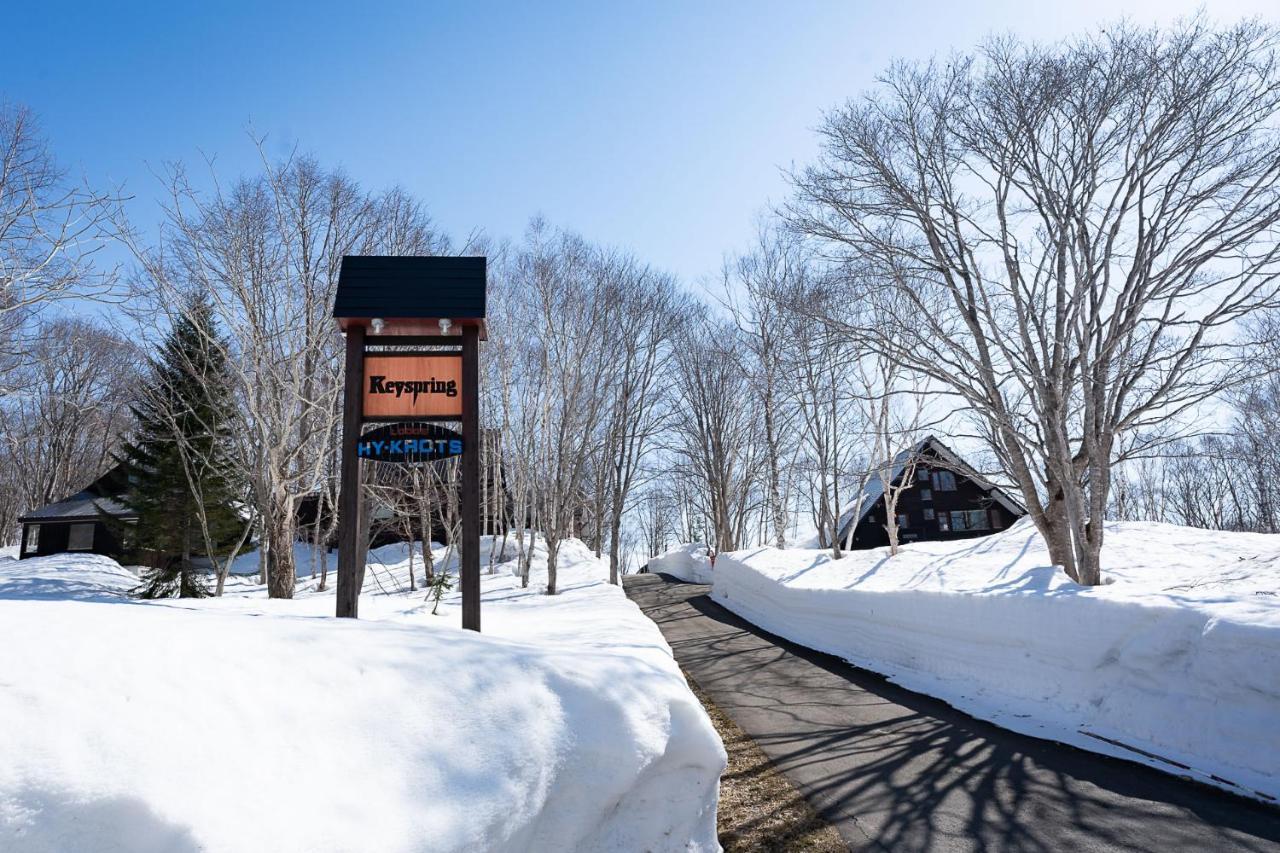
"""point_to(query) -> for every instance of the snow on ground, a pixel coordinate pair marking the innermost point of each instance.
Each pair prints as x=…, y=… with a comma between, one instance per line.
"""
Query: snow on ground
x=686, y=562
x=247, y=724
x=1177, y=655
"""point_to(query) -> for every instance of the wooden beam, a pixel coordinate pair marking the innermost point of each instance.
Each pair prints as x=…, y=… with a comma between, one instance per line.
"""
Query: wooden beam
x=471, y=451
x=351, y=550
x=441, y=342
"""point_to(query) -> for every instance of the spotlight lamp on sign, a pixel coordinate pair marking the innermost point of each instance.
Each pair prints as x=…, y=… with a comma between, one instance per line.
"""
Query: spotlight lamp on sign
x=412, y=373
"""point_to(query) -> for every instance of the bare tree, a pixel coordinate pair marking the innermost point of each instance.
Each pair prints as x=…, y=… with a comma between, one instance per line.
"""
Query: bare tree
x=645, y=310
x=714, y=432
x=777, y=264
x=894, y=411
x=60, y=431
x=832, y=425
x=655, y=519
x=50, y=230
x=268, y=249
x=562, y=278
x=513, y=364
x=1077, y=227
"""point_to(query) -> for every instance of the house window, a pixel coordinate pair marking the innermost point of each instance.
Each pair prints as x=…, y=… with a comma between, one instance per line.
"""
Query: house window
x=902, y=520
x=33, y=538
x=80, y=537
x=969, y=519
x=926, y=494
x=928, y=513
x=944, y=523
x=944, y=481
x=922, y=474
x=995, y=519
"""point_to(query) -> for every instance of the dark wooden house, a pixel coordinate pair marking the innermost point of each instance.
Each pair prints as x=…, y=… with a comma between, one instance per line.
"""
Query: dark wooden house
x=75, y=524
x=947, y=499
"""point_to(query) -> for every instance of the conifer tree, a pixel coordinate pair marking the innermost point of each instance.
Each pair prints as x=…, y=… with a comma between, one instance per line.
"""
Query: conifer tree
x=180, y=481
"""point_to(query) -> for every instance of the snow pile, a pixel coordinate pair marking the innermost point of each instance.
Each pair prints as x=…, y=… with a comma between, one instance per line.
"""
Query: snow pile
x=686, y=562
x=1174, y=662
x=387, y=566
x=246, y=724
x=67, y=577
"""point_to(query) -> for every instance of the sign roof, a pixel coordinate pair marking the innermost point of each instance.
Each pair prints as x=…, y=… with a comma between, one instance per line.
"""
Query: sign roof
x=410, y=287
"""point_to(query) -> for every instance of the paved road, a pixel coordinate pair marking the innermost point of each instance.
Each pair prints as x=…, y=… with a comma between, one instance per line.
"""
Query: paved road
x=899, y=771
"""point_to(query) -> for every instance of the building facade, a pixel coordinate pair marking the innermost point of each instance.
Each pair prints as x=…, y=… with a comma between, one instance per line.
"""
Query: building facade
x=946, y=499
x=79, y=523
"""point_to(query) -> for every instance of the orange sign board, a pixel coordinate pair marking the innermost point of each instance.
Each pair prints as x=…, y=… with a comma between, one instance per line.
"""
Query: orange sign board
x=412, y=386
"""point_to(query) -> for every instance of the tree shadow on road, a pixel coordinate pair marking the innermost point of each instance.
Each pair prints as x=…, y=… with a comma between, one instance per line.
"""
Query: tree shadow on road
x=901, y=771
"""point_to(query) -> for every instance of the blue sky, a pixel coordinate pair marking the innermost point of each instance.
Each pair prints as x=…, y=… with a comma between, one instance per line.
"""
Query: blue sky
x=662, y=127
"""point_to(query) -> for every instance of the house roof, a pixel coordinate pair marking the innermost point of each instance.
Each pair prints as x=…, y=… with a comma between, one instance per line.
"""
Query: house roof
x=102, y=494
x=82, y=506
x=857, y=509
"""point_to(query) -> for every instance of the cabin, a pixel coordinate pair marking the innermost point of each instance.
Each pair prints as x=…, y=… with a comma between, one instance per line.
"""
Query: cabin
x=947, y=499
x=75, y=524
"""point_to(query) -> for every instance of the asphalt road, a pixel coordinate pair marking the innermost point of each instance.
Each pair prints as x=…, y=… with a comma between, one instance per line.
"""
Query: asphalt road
x=898, y=771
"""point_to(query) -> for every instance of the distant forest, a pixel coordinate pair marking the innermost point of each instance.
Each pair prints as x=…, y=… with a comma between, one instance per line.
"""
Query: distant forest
x=1063, y=258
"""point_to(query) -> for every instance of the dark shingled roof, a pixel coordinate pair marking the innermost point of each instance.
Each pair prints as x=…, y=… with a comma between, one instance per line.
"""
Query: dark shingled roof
x=381, y=286
x=103, y=493
x=82, y=506
x=874, y=489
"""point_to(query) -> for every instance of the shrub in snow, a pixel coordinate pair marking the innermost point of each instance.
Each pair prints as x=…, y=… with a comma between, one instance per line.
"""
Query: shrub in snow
x=438, y=585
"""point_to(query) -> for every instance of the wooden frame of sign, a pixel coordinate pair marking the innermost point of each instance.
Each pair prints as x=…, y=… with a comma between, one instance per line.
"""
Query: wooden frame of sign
x=416, y=386
x=418, y=371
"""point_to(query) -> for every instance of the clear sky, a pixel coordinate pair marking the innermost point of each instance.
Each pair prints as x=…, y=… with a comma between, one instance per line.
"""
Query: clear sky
x=661, y=127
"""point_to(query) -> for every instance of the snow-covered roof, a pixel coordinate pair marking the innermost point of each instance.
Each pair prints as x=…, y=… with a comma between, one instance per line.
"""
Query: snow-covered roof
x=80, y=506
x=858, y=508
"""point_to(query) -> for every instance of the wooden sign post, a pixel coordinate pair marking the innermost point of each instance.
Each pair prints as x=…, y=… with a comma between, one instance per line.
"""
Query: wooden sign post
x=351, y=550
x=413, y=328
x=471, y=478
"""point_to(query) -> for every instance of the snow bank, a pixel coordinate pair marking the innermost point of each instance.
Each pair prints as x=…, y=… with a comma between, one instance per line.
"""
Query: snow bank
x=686, y=562
x=1177, y=656
x=247, y=724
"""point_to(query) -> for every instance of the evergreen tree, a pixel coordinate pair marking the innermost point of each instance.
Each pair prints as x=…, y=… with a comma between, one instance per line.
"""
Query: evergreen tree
x=177, y=460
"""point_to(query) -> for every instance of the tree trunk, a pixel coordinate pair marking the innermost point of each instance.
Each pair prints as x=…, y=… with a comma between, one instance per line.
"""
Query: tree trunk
x=185, y=587
x=615, y=531
x=1055, y=529
x=280, y=568
x=412, y=582
x=553, y=551
x=264, y=550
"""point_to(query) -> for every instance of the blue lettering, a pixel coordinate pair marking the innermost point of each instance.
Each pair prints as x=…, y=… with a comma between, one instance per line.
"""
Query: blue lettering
x=455, y=447
x=397, y=446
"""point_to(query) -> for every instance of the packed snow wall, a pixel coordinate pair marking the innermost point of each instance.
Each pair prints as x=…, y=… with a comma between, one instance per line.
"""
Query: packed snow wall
x=1188, y=675
x=685, y=562
x=245, y=723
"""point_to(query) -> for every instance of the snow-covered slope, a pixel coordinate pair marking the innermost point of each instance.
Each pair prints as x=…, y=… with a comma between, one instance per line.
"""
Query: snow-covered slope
x=686, y=562
x=247, y=724
x=1177, y=655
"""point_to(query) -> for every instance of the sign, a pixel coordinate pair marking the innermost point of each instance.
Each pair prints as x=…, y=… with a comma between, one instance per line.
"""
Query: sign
x=411, y=373
x=412, y=386
x=409, y=443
